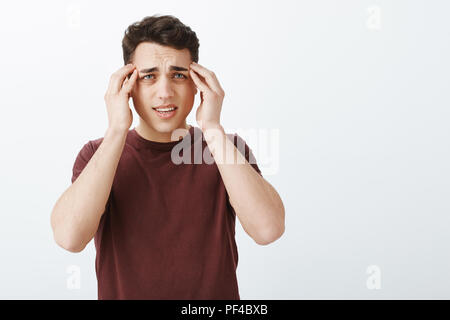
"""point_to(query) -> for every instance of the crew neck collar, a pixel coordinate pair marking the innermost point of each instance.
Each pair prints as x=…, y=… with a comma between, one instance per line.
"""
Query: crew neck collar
x=141, y=142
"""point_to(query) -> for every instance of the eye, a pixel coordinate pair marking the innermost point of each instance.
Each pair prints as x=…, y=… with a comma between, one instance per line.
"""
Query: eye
x=183, y=76
x=175, y=74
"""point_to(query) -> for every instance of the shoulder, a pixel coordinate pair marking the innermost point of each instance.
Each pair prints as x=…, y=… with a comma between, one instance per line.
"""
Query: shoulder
x=236, y=138
x=96, y=143
x=89, y=148
x=239, y=142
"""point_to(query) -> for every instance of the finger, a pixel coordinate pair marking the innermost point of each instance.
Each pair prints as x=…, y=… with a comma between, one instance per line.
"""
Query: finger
x=209, y=76
x=199, y=83
x=118, y=77
x=129, y=82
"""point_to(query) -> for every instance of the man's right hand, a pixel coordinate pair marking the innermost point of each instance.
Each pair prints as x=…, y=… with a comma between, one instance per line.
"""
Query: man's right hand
x=117, y=96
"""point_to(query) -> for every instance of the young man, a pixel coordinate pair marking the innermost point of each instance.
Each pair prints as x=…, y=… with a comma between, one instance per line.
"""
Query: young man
x=164, y=229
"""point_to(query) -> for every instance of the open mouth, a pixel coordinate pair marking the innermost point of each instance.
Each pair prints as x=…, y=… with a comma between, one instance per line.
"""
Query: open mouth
x=166, y=112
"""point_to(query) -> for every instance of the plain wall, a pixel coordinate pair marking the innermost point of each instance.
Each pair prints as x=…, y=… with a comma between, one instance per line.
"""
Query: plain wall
x=357, y=93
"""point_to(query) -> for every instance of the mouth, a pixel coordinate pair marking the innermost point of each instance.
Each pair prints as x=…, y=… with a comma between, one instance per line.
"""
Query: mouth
x=166, y=111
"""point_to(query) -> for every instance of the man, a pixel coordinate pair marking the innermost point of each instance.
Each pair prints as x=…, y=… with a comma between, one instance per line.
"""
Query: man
x=164, y=229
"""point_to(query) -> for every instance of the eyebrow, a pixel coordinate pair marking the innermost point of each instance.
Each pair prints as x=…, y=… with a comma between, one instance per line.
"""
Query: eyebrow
x=171, y=68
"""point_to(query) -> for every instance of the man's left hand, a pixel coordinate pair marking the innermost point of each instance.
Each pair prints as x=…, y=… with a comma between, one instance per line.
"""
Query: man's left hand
x=211, y=95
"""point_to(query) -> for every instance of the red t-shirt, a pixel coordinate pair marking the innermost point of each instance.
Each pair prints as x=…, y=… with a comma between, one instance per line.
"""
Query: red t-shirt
x=168, y=231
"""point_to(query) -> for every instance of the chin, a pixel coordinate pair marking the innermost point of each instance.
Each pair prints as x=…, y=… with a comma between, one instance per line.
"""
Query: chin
x=165, y=126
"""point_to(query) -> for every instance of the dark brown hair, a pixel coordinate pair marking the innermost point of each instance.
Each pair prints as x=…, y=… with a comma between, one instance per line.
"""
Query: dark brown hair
x=165, y=30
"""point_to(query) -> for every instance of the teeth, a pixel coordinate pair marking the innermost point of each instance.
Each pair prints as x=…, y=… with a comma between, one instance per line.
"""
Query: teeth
x=166, y=109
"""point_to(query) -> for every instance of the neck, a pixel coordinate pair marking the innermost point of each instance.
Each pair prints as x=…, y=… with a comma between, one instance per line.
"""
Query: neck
x=151, y=134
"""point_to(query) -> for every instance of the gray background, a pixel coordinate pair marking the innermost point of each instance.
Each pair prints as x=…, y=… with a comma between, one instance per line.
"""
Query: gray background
x=358, y=91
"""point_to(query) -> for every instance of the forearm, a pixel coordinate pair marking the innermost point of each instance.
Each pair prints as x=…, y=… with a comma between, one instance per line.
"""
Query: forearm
x=256, y=203
x=76, y=214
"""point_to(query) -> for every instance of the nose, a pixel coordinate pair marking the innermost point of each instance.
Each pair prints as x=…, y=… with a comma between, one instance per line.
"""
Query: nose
x=164, y=89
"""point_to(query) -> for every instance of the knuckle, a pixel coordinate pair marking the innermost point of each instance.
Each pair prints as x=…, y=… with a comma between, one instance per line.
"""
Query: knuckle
x=219, y=93
x=108, y=96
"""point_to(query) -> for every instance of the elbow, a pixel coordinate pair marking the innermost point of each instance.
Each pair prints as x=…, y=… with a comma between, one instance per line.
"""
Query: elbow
x=269, y=235
x=274, y=231
x=69, y=245
x=66, y=242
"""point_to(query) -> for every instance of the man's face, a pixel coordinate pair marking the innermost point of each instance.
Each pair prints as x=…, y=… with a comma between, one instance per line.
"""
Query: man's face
x=161, y=82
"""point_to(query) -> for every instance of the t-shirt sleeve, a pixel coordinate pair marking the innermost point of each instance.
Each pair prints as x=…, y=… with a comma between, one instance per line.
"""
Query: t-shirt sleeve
x=83, y=157
x=245, y=150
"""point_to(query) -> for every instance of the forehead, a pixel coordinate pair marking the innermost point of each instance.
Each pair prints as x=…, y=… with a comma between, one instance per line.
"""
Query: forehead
x=149, y=54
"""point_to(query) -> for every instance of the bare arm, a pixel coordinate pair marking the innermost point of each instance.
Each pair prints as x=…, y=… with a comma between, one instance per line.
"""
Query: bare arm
x=256, y=202
x=76, y=215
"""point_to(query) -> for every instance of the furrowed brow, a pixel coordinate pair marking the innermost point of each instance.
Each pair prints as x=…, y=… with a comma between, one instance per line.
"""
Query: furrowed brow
x=156, y=69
